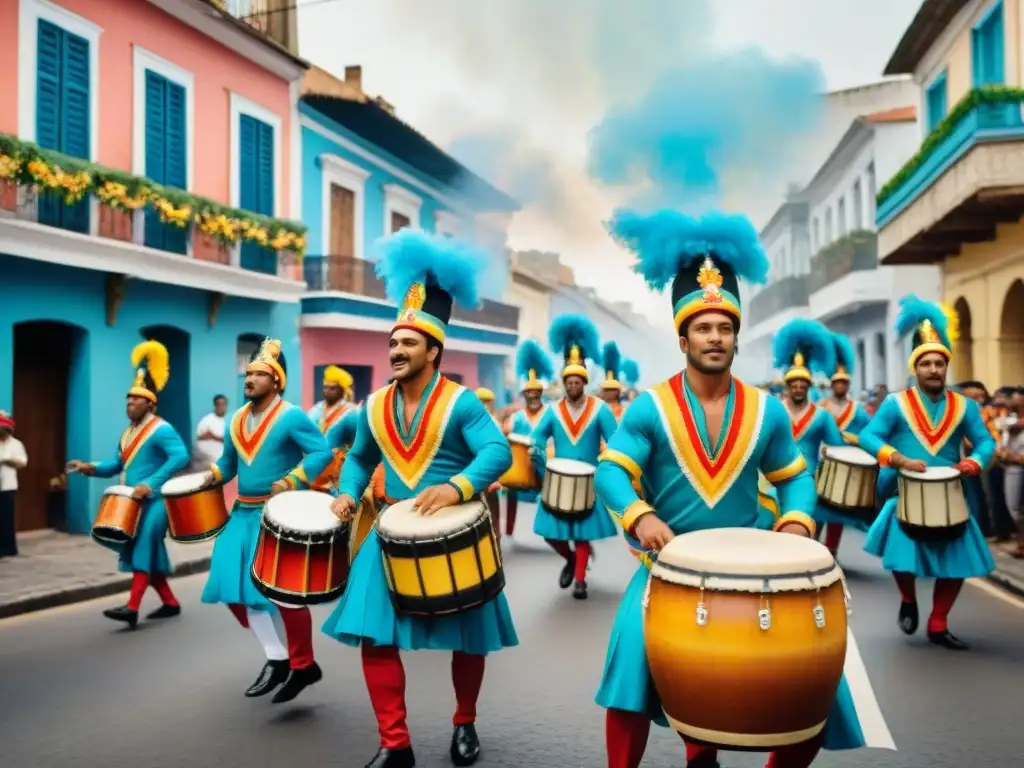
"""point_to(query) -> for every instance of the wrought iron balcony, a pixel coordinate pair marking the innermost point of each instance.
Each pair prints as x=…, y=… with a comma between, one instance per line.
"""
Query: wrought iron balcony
x=787, y=293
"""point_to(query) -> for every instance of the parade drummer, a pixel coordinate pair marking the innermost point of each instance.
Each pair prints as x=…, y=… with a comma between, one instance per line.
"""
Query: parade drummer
x=335, y=416
x=699, y=440
x=611, y=387
x=486, y=397
x=533, y=367
x=148, y=454
x=578, y=425
x=273, y=446
x=440, y=447
x=925, y=426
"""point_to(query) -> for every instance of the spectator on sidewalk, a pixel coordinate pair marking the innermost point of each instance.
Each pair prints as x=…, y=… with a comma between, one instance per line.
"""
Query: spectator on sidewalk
x=210, y=435
x=996, y=414
x=1012, y=456
x=12, y=459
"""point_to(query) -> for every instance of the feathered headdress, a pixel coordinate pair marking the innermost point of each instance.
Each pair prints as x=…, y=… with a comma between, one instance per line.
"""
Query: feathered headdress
x=929, y=325
x=846, y=358
x=338, y=377
x=703, y=257
x=802, y=346
x=152, y=364
x=533, y=366
x=611, y=359
x=268, y=360
x=575, y=338
x=424, y=274
x=630, y=372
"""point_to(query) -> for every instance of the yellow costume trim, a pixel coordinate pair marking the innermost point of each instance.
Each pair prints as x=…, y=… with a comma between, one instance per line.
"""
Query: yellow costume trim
x=463, y=485
x=485, y=395
x=788, y=472
x=885, y=454
x=632, y=514
x=800, y=518
x=248, y=446
x=768, y=503
x=698, y=305
x=932, y=437
x=297, y=478
x=851, y=439
x=129, y=450
x=416, y=320
x=620, y=459
x=217, y=475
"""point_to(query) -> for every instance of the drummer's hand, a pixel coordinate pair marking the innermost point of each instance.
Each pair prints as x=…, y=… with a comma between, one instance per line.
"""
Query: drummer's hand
x=279, y=487
x=344, y=507
x=80, y=466
x=796, y=529
x=911, y=465
x=653, y=533
x=968, y=467
x=436, y=497
x=141, y=491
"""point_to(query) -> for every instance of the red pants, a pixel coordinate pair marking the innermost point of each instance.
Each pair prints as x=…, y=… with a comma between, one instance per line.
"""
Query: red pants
x=943, y=597
x=626, y=739
x=385, y=682
x=298, y=628
x=159, y=583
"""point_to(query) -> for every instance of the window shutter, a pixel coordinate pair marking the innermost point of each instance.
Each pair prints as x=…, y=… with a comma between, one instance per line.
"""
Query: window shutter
x=256, y=182
x=75, y=124
x=266, y=170
x=165, y=155
x=48, y=89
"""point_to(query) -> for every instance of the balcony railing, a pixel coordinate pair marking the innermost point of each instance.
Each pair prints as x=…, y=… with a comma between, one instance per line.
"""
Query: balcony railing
x=785, y=294
x=352, y=275
x=855, y=252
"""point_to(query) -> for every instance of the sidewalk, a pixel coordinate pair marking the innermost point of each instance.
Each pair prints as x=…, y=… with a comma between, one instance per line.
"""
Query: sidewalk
x=1009, y=572
x=57, y=569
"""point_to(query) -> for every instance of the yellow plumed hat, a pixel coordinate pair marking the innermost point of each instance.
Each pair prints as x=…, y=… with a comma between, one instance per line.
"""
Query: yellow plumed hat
x=268, y=360
x=338, y=377
x=151, y=362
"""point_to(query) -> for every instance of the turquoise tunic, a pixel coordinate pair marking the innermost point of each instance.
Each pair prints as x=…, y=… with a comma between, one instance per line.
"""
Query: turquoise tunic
x=342, y=433
x=452, y=439
x=158, y=455
x=519, y=424
x=696, y=486
x=283, y=445
x=910, y=423
x=581, y=441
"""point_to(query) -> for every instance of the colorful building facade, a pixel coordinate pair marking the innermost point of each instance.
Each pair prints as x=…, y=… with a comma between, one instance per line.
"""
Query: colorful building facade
x=168, y=134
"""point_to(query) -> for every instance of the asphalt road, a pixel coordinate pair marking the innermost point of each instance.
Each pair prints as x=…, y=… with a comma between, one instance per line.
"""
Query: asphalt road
x=77, y=691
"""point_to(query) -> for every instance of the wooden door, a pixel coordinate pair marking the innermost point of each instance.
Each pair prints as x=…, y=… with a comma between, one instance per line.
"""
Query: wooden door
x=342, y=255
x=398, y=221
x=42, y=354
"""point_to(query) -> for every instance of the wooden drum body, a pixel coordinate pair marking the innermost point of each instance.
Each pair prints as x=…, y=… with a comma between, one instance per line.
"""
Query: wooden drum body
x=746, y=636
x=302, y=553
x=195, y=511
x=441, y=564
x=931, y=504
x=846, y=481
x=117, y=521
x=521, y=476
x=568, y=491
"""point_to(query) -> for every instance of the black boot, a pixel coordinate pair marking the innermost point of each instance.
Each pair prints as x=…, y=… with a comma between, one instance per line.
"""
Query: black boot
x=273, y=674
x=298, y=680
x=393, y=758
x=580, y=590
x=947, y=639
x=908, y=619
x=565, y=577
x=704, y=761
x=125, y=614
x=465, y=745
x=165, y=612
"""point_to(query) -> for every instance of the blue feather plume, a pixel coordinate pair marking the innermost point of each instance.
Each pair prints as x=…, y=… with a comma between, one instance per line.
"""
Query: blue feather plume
x=809, y=337
x=611, y=358
x=567, y=330
x=410, y=256
x=845, y=356
x=630, y=372
x=914, y=311
x=668, y=241
x=532, y=357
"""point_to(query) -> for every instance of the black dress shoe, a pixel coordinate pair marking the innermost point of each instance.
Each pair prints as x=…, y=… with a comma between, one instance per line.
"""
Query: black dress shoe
x=393, y=758
x=568, y=570
x=947, y=640
x=704, y=761
x=298, y=680
x=580, y=590
x=272, y=675
x=465, y=745
x=125, y=614
x=908, y=619
x=165, y=612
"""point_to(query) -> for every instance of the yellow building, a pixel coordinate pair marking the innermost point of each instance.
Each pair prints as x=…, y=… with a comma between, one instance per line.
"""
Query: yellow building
x=958, y=202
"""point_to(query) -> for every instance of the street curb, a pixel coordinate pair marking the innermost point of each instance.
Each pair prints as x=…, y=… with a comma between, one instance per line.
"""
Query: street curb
x=92, y=591
x=1007, y=582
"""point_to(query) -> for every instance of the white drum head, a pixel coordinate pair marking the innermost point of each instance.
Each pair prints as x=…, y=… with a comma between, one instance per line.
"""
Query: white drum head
x=119, y=490
x=571, y=467
x=932, y=473
x=302, y=511
x=185, y=484
x=741, y=559
x=851, y=454
x=521, y=439
x=400, y=521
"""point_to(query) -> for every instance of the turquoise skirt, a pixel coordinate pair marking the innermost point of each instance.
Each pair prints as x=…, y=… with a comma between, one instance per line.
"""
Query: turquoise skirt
x=230, y=579
x=148, y=552
x=365, y=613
x=627, y=683
x=964, y=558
x=599, y=525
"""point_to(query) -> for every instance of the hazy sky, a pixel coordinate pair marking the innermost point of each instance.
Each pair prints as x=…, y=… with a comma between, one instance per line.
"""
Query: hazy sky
x=514, y=88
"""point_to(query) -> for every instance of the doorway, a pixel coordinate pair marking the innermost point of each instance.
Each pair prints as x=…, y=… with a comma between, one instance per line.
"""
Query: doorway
x=43, y=353
x=1011, y=337
x=362, y=380
x=174, y=403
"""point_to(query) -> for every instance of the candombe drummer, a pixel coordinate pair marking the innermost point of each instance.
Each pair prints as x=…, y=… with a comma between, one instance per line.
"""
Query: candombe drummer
x=611, y=386
x=335, y=416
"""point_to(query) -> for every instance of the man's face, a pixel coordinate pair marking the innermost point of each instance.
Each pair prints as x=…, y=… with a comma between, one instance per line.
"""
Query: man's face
x=710, y=342
x=137, y=407
x=409, y=354
x=798, y=389
x=930, y=371
x=220, y=406
x=975, y=394
x=258, y=385
x=610, y=396
x=574, y=387
x=532, y=398
x=332, y=393
x=840, y=388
